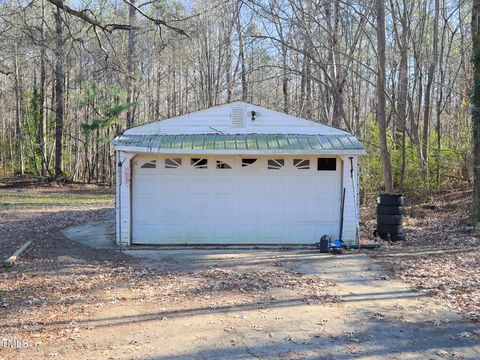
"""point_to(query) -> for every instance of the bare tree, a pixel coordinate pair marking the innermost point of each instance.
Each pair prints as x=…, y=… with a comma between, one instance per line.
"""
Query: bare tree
x=131, y=62
x=475, y=100
x=428, y=92
x=42, y=129
x=241, y=51
x=381, y=101
x=18, y=111
x=59, y=91
x=312, y=59
x=401, y=30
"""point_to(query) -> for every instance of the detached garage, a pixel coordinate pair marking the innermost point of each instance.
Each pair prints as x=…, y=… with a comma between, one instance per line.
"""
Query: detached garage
x=236, y=174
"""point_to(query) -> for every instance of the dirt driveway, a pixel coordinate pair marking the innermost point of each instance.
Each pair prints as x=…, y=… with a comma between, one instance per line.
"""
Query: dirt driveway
x=72, y=301
x=361, y=314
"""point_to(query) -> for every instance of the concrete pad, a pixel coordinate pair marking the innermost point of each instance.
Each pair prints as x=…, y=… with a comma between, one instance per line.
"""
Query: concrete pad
x=101, y=235
x=96, y=234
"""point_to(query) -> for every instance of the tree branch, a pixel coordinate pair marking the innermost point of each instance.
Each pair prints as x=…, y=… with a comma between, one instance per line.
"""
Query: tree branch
x=157, y=22
x=112, y=27
x=5, y=72
x=83, y=16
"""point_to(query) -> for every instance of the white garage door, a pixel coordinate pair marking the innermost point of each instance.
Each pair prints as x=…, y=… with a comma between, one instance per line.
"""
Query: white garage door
x=234, y=199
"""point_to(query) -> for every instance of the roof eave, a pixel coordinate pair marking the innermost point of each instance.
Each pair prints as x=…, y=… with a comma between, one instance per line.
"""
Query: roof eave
x=144, y=150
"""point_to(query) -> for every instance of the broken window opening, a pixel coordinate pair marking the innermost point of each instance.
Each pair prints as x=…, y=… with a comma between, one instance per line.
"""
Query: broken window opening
x=327, y=164
x=276, y=164
x=248, y=162
x=173, y=163
x=150, y=165
x=198, y=163
x=302, y=164
x=222, y=165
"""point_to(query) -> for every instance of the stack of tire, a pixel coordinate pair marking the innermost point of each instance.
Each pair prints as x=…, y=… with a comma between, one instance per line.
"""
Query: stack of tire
x=390, y=217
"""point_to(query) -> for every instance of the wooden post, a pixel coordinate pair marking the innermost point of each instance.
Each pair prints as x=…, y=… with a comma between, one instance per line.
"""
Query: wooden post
x=11, y=260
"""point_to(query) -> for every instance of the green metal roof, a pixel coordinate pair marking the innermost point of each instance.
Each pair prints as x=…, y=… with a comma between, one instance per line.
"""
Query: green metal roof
x=241, y=143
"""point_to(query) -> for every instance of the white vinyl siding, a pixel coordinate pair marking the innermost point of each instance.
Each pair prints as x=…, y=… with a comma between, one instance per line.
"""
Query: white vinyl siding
x=226, y=119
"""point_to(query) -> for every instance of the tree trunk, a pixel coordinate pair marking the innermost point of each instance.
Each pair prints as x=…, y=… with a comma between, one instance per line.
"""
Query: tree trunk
x=440, y=98
x=241, y=55
x=59, y=92
x=18, y=113
x=285, y=80
x=475, y=100
x=428, y=94
x=308, y=88
x=381, y=100
x=42, y=126
x=402, y=91
x=158, y=86
x=333, y=23
x=131, y=64
x=228, y=62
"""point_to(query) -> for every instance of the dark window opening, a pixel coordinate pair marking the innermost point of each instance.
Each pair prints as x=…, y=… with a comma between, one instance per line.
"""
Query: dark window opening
x=173, y=163
x=222, y=165
x=276, y=164
x=248, y=162
x=302, y=164
x=150, y=165
x=327, y=164
x=198, y=163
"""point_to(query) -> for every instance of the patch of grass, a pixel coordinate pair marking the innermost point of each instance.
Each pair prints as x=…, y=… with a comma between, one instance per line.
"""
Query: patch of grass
x=12, y=199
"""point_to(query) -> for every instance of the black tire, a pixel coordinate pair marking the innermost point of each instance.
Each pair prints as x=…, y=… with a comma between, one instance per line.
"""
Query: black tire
x=397, y=237
x=389, y=210
x=390, y=200
x=384, y=236
x=390, y=229
x=390, y=219
x=391, y=237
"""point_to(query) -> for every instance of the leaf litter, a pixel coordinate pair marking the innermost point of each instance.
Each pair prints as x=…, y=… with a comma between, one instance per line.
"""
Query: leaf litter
x=441, y=253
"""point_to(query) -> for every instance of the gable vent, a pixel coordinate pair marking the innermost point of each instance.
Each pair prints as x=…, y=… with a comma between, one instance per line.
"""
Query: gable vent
x=238, y=117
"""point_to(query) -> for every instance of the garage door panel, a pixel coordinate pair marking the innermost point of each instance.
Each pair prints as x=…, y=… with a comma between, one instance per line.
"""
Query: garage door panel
x=233, y=206
x=299, y=211
x=224, y=233
x=167, y=212
x=332, y=230
x=326, y=214
x=249, y=186
x=275, y=187
x=151, y=234
x=196, y=210
x=198, y=186
x=301, y=234
x=327, y=187
x=170, y=233
x=226, y=187
x=247, y=211
x=275, y=233
x=223, y=211
x=169, y=186
x=198, y=234
x=248, y=233
x=301, y=187
x=274, y=210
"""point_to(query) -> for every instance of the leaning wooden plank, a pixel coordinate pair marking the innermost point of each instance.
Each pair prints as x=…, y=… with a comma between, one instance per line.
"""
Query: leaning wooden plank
x=9, y=262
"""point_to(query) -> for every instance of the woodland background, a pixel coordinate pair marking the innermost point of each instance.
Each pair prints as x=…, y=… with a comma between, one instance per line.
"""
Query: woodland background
x=396, y=73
